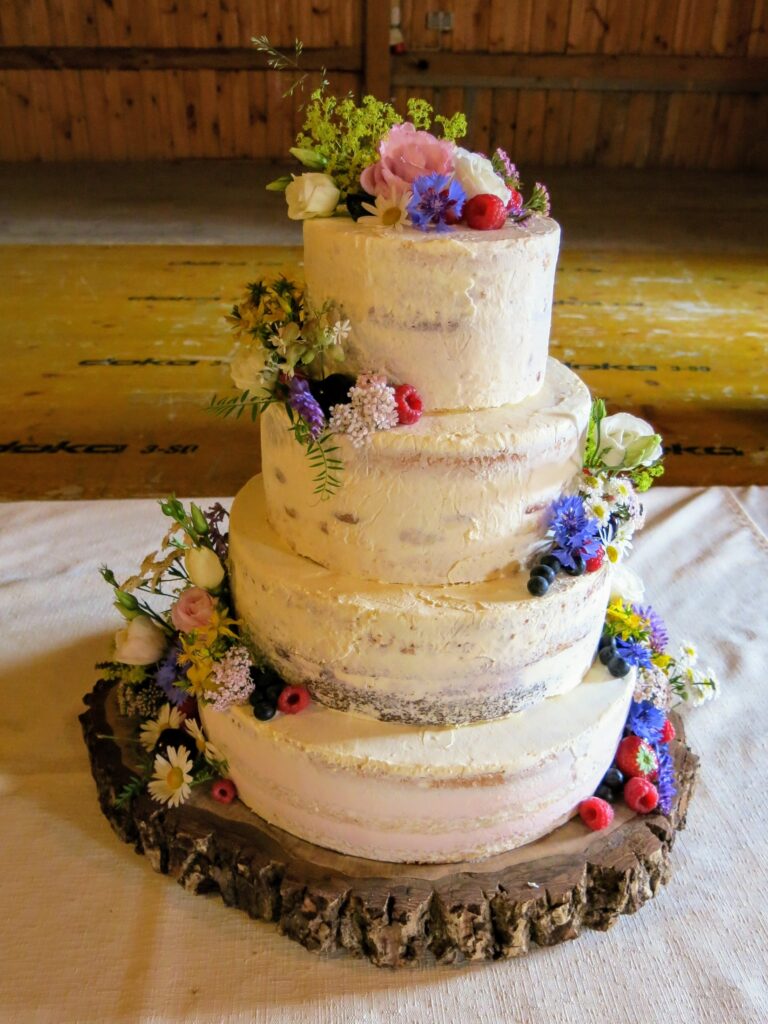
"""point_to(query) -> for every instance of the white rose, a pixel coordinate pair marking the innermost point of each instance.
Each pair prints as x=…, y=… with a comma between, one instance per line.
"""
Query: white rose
x=627, y=441
x=204, y=568
x=476, y=176
x=248, y=368
x=311, y=195
x=140, y=642
x=626, y=585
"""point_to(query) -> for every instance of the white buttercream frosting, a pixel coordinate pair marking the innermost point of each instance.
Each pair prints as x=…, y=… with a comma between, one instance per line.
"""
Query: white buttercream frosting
x=463, y=316
x=395, y=792
x=454, y=498
x=408, y=652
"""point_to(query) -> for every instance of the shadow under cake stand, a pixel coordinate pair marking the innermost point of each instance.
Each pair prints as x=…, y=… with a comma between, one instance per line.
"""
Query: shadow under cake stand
x=394, y=914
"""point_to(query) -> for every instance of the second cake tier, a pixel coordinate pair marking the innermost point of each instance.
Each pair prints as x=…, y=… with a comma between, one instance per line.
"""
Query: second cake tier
x=409, y=653
x=455, y=498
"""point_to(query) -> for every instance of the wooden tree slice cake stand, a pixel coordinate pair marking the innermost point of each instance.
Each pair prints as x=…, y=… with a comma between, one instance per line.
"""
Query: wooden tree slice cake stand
x=394, y=914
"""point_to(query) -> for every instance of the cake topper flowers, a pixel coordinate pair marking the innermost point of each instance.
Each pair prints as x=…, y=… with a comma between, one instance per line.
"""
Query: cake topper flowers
x=368, y=161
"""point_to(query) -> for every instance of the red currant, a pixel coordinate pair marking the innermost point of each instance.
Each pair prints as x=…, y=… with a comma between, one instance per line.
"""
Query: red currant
x=409, y=404
x=293, y=699
x=668, y=732
x=485, y=212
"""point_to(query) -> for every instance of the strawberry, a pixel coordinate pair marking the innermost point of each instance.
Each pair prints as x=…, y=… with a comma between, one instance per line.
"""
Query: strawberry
x=485, y=212
x=635, y=757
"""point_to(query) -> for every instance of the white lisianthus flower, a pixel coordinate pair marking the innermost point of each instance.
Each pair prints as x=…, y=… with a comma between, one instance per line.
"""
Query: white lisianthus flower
x=312, y=195
x=626, y=441
x=140, y=642
x=476, y=176
x=204, y=568
x=251, y=369
x=626, y=585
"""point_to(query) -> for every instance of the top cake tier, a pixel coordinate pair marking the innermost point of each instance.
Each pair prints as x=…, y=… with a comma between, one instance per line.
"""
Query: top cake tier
x=462, y=315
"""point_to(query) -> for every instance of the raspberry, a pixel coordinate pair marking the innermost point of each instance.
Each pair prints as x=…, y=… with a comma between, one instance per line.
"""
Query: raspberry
x=635, y=757
x=409, y=404
x=515, y=204
x=485, y=212
x=668, y=732
x=596, y=813
x=641, y=796
x=293, y=699
x=224, y=790
x=594, y=563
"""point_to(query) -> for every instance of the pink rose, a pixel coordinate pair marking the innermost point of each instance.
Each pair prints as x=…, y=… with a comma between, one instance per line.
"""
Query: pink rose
x=406, y=154
x=192, y=610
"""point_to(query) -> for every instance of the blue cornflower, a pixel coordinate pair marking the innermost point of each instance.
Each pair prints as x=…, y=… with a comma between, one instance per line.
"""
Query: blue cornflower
x=306, y=405
x=437, y=202
x=665, y=782
x=634, y=652
x=573, y=530
x=646, y=721
x=168, y=673
x=658, y=631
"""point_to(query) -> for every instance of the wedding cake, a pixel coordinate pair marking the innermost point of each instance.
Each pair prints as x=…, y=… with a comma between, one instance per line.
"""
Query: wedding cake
x=416, y=642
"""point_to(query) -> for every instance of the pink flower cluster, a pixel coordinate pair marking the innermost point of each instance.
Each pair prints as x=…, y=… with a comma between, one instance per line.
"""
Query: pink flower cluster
x=406, y=154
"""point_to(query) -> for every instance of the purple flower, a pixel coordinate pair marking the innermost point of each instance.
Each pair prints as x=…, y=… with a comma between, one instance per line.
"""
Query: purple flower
x=168, y=673
x=634, y=652
x=437, y=202
x=215, y=516
x=505, y=168
x=646, y=721
x=305, y=404
x=665, y=782
x=573, y=530
x=658, y=631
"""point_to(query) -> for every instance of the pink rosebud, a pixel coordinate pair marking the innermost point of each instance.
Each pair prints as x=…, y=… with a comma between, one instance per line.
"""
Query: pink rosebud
x=405, y=155
x=192, y=610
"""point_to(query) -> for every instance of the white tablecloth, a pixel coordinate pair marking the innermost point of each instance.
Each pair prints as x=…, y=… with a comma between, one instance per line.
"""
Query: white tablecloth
x=88, y=932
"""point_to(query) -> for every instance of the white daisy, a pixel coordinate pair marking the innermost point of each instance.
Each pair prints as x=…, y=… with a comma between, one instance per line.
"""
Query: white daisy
x=598, y=508
x=620, y=488
x=173, y=775
x=340, y=331
x=204, y=746
x=387, y=212
x=688, y=655
x=168, y=718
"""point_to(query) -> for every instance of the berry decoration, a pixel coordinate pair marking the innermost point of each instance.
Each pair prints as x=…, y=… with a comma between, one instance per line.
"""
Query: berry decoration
x=224, y=790
x=596, y=561
x=636, y=758
x=613, y=779
x=617, y=666
x=607, y=653
x=641, y=796
x=596, y=813
x=264, y=709
x=485, y=212
x=293, y=699
x=538, y=586
x=668, y=732
x=409, y=404
x=543, y=570
x=604, y=792
x=579, y=566
x=552, y=561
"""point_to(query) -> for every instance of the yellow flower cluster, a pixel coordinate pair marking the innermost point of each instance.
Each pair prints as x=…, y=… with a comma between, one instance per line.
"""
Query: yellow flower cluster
x=625, y=622
x=201, y=649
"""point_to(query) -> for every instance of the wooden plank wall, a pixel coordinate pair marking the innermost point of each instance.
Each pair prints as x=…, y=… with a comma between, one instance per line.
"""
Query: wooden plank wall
x=635, y=83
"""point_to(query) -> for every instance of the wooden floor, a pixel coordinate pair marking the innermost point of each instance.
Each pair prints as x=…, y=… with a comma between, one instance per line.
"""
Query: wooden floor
x=110, y=354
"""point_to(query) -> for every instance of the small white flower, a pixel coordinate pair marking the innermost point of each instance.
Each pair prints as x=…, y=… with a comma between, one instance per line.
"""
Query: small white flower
x=688, y=655
x=204, y=746
x=626, y=585
x=620, y=488
x=388, y=212
x=340, y=331
x=371, y=407
x=598, y=509
x=173, y=775
x=168, y=718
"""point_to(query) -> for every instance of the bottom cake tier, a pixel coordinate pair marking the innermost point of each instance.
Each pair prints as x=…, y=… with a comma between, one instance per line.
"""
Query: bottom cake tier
x=410, y=794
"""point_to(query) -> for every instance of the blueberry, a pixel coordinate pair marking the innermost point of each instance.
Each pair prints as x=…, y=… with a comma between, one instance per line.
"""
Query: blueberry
x=606, y=793
x=176, y=738
x=538, y=586
x=606, y=641
x=607, y=654
x=330, y=391
x=613, y=779
x=355, y=202
x=552, y=562
x=579, y=566
x=618, y=667
x=613, y=525
x=546, y=571
x=264, y=710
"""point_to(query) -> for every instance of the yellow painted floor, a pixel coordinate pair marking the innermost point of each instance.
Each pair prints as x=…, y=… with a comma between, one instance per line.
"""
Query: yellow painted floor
x=110, y=354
